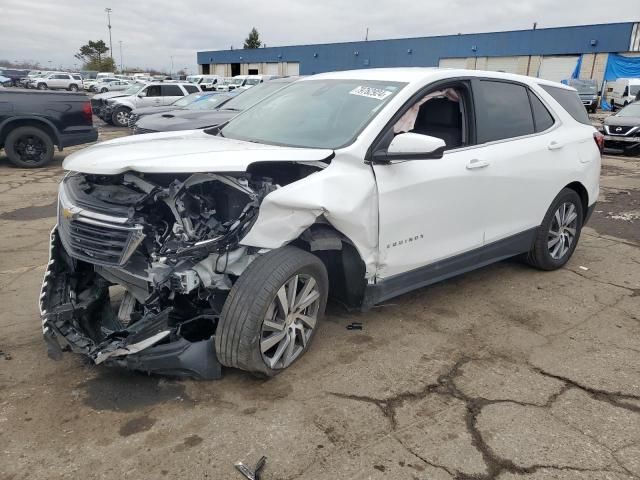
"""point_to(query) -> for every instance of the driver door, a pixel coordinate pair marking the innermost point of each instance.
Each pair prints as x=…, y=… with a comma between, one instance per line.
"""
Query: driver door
x=430, y=210
x=152, y=98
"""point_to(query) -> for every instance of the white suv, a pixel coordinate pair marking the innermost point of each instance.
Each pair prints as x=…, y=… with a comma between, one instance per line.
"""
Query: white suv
x=58, y=81
x=154, y=94
x=364, y=184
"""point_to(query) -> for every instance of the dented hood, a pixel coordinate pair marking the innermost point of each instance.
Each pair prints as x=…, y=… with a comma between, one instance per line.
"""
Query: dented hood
x=187, y=151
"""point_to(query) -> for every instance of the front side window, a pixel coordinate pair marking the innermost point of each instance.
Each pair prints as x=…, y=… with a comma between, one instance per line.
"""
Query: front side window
x=153, y=91
x=313, y=113
x=503, y=111
x=438, y=114
x=570, y=101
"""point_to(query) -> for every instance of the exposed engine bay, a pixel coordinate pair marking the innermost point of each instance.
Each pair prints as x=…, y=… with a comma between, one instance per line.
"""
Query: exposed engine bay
x=141, y=265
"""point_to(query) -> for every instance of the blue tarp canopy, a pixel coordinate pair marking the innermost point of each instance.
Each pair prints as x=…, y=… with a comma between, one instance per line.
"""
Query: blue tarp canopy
x=619, y=66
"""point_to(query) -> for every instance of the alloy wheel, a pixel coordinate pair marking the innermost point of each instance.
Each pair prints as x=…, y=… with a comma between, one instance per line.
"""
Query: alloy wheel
x=290, y=321
x=30, y=148
x=123, y=118
x=562, y=231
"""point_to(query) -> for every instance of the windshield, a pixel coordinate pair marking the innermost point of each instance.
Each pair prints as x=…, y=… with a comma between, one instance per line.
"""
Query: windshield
x=313, y=113
x=208, y=102
x=252, y=81
x=253, y=95
x=584, y=86
x=236, y=81
x=631, y=110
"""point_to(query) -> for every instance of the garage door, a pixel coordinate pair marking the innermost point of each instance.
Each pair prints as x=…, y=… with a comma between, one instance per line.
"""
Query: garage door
x=453, y=63
x=293, y=68
x=557, y=68
x=272, y=69
x=502, y=64
x=219, y=69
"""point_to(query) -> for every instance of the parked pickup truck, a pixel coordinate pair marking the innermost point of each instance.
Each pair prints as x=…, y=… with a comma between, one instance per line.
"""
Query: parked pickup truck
x=32, y=123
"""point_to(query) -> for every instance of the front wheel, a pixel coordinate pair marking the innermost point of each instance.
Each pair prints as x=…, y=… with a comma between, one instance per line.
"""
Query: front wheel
x=42, y=86
x=73, y=88
x=120, y=117
x=559, y=233
x=272, y=312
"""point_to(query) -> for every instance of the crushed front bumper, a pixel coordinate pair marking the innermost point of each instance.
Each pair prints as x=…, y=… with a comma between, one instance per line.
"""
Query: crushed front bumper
x=151, y=345
x=622, y=144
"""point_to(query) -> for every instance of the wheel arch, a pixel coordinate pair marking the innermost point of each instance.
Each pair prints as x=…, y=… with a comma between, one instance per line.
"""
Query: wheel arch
x=25, y=121
x=582, y=192
x=345, y=266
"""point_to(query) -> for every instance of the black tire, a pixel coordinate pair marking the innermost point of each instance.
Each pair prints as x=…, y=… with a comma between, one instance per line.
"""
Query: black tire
x=239, y=330
x=29, y=147
x=73, y=88
x=120, y=117
x=104, y=90
x=42, y=86
x=539, y=256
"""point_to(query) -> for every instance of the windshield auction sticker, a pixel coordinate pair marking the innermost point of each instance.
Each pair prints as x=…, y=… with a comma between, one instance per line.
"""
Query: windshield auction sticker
x=370, y=92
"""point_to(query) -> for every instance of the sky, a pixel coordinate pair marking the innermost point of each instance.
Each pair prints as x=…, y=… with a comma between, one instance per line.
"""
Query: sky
x=152, y=32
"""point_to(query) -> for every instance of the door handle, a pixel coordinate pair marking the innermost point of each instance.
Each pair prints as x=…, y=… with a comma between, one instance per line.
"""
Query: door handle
x=475, y=163
x=555, y=145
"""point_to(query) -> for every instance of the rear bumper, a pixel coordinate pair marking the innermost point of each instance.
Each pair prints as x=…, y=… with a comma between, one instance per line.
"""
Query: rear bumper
x=72, y=320
x=79, y=136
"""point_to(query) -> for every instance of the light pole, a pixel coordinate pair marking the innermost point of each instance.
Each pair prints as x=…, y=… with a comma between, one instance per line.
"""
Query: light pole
x=171, y=72
x=108, y=10
x=121, y=68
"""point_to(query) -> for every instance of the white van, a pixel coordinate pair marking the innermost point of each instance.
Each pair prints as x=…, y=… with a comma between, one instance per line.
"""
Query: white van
x=209, y=82
x=623, y=91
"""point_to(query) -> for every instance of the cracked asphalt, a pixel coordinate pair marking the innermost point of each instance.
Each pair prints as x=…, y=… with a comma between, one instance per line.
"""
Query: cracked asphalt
x=503, y=373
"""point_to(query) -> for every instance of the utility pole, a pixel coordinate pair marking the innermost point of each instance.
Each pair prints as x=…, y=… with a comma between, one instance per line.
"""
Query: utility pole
x=108, y=10
x=121, y=68
x=366, y=35
x=171, y=72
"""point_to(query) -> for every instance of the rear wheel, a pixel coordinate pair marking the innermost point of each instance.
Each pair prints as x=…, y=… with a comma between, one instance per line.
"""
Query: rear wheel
x=272, y=312
x=120, y=117
x=104, y=90
x=559, y=233
x=73, y=88
x=29, y=147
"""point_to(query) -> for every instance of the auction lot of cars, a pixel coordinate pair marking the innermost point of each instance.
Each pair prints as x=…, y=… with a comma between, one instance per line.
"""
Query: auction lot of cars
x=370, y=273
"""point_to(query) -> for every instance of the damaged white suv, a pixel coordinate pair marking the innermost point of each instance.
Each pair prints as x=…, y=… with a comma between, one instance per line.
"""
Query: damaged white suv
x=177, y=252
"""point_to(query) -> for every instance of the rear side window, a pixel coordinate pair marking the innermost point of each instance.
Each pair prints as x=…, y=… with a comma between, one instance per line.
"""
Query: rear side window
x=541, y=116
x=191, y=88
x=171, y=91
x=570, y=101
x=504, y=111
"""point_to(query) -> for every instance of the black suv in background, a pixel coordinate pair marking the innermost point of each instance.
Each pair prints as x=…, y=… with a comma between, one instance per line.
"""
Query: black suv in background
x=32, y=123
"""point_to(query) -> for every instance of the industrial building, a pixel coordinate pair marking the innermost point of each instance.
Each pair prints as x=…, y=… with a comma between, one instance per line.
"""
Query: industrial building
x=550, y=53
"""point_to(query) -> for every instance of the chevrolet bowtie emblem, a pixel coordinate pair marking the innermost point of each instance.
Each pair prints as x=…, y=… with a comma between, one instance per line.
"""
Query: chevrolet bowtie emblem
x=67, y=213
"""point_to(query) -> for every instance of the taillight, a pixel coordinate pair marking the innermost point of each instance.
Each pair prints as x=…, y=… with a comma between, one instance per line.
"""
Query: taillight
x=86, y=111
x=599, y=139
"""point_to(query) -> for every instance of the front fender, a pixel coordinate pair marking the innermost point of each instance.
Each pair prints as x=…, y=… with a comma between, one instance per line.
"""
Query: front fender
x=344, y=194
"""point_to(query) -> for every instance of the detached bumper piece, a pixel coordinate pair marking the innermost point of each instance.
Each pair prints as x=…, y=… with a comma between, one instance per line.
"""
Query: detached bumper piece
x=77, y=316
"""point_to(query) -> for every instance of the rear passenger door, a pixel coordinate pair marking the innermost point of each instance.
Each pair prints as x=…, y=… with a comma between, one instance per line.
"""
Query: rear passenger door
x=519, y=149
x=171, y=93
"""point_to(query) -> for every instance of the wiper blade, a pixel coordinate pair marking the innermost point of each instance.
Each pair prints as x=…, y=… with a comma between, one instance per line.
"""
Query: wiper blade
x=231, y=109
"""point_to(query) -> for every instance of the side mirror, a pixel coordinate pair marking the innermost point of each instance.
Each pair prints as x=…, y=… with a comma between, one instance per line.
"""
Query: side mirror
x=412, y=146
x=142, y=94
